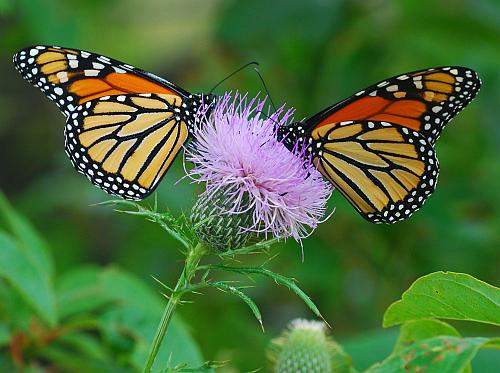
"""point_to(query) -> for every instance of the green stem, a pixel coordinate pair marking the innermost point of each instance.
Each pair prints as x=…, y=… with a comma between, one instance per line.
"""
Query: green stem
x=190, y=266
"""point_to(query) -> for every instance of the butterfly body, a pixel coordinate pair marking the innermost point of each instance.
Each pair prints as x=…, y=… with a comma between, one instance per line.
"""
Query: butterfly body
x=377, y=147
x=124, y=126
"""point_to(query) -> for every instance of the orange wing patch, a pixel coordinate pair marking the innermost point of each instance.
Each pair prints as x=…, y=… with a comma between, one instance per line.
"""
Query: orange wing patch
x=114, y=84
x=404, y=112
x=424, y=101
x=71, y=77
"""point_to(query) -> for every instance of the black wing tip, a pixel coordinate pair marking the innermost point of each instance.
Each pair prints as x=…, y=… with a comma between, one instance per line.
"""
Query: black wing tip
x=34, y=47
x=464, y=71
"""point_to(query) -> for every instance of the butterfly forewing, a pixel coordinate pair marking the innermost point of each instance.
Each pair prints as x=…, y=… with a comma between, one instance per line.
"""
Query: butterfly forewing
x=125, y=144
x=386, y=171
x=424, y=100
x=70, y=77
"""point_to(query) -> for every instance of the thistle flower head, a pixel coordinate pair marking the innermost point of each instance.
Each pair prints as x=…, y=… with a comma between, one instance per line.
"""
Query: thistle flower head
x=248, y=171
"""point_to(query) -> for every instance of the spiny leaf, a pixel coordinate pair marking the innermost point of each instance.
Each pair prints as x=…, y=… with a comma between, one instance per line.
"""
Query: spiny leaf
x=163, y=285
x=224, y=286
x=165, y=220
x=205, y=368
x=280, y=280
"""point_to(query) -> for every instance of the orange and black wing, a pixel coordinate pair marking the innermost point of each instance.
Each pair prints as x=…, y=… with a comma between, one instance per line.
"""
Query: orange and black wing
x=124, y=126
x=125, y=144
x=424, y=101
x=71, y=77
x=385, y=170
x=377, y=147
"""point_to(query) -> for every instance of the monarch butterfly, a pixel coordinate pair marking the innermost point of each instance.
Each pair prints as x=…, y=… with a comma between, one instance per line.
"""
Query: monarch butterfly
x=377, y=146
x=124, y=126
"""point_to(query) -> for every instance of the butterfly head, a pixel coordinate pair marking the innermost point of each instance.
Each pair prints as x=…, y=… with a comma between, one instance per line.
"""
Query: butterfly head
x=292, y=135
x=208, y=99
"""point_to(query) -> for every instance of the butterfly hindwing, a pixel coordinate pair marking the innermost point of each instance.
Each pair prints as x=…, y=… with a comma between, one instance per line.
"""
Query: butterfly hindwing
x=386, y=171
x=71, y=77
x=125, y=144
x=424, y=100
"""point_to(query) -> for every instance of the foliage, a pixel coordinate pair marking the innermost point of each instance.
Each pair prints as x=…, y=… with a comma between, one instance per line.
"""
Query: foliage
x=194, y=249
x=433, y=355
x=428, y=344
x=106, y=316
x=89, y=319
x=447, y=295
x=107, y=301
x=425, y=343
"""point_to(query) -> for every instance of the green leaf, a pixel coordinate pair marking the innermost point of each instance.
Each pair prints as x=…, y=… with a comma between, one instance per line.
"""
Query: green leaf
x=80, y=291
x=207, y=367
x=235, y=291
x=84, y=344
x=5, y=7
x=446, y=295
x=20, y=271
x=127, y=313
x=432, y=355
x=279, y=279
x=416, y=330
x=14, y=310
x=494, y=343
x=33, y=246
x=6, y=363
x=4, y=335
x=136, y=314
x=67, y=360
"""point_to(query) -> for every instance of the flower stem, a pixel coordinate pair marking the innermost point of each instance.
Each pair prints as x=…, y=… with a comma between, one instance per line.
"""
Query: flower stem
x=193, y=258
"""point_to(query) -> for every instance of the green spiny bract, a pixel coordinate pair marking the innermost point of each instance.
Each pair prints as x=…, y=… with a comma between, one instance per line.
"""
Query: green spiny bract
x=218, y=225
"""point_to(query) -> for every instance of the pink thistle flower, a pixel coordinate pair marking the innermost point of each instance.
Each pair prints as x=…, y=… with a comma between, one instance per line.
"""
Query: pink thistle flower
x=236, y=152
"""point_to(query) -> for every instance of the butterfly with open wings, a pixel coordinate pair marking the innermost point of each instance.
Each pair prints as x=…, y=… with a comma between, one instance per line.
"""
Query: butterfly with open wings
x=377, y=146
x=124, y=126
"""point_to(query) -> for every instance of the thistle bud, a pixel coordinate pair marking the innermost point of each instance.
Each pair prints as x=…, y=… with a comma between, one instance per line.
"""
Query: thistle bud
x=218, y=224
x=305, y=347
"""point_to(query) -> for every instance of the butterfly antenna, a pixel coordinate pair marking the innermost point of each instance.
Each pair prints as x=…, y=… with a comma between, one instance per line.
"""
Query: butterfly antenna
x=233, y=73
x=265, y=88
x=268, y=117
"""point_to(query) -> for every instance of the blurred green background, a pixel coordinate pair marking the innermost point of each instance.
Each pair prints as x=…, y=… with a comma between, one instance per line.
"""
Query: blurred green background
x=311, y=54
